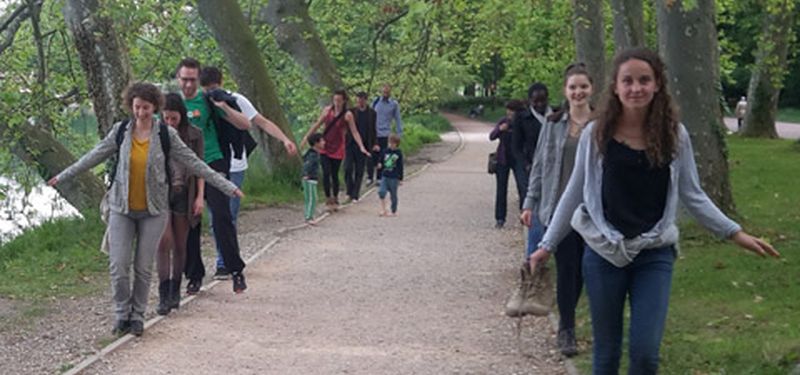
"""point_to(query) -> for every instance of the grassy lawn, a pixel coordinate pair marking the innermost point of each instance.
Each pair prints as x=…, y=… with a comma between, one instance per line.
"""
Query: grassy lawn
x=789, y=115
x=731, y=313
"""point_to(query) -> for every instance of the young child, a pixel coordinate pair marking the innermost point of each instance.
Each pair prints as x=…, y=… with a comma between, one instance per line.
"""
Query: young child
x=310, y=175
x=392, y=171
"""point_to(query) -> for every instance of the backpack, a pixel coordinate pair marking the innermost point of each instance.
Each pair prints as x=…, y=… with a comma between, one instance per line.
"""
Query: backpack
x=163, y=134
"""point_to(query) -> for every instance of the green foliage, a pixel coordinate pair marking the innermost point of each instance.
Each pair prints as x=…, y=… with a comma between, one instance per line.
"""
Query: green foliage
x=58, y=258
x=263, y=188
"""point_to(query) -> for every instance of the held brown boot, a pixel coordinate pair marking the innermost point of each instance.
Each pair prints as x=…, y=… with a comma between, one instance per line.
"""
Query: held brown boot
x=514, y=305
x=541, y=294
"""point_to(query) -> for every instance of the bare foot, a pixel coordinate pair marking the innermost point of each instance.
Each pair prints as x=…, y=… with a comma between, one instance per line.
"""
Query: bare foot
x=393, y=214
x=311, y=222
x=382, y=214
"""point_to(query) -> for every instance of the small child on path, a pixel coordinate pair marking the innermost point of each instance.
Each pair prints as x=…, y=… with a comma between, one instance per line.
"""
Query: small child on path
x=392, y=171
x=310, y=175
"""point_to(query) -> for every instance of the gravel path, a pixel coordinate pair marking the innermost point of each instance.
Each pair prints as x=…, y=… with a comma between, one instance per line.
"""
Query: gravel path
x=421, y=293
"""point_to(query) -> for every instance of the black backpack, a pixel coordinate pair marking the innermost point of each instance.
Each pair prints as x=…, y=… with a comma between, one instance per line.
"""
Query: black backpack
x=163, y=133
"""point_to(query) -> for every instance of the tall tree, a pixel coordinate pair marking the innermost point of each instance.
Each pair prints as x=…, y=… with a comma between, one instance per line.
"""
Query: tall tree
x=769, y=69
x=295, y=33
x=238, y=44
x=103, y=57
x=589, y=38
x=688, y=43
x=628, y=24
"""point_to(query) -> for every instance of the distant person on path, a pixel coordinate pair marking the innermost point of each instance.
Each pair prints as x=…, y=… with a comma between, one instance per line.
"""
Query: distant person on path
x=186, y=205
x=138, y=198
x=526, y=127
x=740, y=111
x=387, y=109
x=338, y=120
x=506, y=163
x=391, y=168
x=354, y=160
x=311, y=175
x=211, y=81
x=552, y=167
x=622, y=198
x=222, y=127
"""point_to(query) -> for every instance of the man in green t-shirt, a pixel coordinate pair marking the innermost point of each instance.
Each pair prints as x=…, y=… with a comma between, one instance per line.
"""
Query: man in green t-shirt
x=217, y=154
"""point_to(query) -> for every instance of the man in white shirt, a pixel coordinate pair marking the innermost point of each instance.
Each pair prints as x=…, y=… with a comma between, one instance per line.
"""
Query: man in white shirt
x=211, y=80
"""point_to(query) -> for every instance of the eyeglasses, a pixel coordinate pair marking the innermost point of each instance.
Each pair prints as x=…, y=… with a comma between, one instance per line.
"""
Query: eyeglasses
x=187, y=79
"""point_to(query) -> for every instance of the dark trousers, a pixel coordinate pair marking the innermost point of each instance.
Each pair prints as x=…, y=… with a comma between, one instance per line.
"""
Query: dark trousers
x=372, y=163
x=194, y=270
x=569, y=278
x=224, y=230
x=354, y=162
x=501, y=197
x=330, y=176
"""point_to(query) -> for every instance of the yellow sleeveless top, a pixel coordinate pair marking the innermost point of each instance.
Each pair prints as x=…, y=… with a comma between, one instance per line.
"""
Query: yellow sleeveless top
x=137, y=191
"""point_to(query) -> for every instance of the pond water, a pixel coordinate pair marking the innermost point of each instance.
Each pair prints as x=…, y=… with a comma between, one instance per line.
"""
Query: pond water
x=19, y=211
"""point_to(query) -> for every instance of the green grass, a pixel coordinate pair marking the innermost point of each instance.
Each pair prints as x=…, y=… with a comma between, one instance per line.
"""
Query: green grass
x=58, y=258
x=789, y=115
x=731, y=312
x=264, y=188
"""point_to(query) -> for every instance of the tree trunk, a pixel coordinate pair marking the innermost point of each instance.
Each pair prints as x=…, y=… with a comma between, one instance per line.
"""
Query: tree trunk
x=238, y=44
x=766, y=80
x=43, y=152
x=589, y=39
x=628, y=24
x=296, y=34
x=103, y=57
x=688, y=43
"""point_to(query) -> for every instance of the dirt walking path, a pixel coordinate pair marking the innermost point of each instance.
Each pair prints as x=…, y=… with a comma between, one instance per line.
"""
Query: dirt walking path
x=421, y=293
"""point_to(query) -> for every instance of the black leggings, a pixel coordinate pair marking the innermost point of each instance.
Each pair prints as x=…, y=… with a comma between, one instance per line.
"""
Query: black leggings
x=330, y=175
x=569, y=279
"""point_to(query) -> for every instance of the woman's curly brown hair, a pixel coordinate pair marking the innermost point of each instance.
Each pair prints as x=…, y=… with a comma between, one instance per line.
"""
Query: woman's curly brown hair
x=661, y=123
x=145, y=91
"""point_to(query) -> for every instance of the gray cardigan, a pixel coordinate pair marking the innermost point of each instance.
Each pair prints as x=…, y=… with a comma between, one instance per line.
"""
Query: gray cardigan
x=157, y=186
x=545, y=176
x=581, y=205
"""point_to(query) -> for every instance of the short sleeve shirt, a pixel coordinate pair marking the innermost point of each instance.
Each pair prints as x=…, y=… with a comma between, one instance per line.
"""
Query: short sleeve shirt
x=198, y=113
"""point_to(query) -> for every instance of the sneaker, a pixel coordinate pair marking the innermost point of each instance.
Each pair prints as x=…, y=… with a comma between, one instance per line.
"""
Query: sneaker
x=222, y=274
x=370, y=182
x=121, y=327
x=567, y=344
x=193, y=287
x=137, y=327
x=238, y=282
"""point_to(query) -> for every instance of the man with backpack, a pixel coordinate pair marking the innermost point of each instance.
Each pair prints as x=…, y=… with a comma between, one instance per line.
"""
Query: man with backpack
x=211, y=81
x=222, y=128
x=387, y=109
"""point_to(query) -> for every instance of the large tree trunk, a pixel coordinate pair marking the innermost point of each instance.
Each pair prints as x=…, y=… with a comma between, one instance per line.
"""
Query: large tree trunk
x=628, y=24
x=688, y=43
x=589, y=38
x=40, y=150
x=296, y=34
x=103, y=57
x=766, y=80
x=238, y=44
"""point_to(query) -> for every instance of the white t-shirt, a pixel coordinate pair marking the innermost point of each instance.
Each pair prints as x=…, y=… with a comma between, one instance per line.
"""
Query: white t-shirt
x=238, y=165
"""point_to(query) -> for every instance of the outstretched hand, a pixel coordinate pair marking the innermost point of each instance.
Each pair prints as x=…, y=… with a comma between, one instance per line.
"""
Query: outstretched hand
x=754, y=244
x=238, y=193
x=52, y=182
x=291, y=149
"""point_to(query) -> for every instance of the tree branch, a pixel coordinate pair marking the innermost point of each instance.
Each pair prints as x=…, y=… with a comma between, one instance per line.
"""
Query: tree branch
x=12, y=23
x=375, y=39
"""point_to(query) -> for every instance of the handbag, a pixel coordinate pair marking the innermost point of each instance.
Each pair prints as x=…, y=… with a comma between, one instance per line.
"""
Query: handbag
x=492, y=164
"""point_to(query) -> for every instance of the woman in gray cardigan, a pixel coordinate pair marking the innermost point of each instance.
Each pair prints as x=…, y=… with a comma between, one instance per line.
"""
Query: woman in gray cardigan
x=138, y=198
x=632, y=166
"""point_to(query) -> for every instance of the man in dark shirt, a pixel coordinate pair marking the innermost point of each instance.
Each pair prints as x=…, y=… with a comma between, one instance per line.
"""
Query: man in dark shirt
x=526, y=126
x=354, y=161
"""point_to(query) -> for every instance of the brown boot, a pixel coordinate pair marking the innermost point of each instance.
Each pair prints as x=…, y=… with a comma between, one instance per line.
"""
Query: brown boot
x=515, y=302
x=541, y=294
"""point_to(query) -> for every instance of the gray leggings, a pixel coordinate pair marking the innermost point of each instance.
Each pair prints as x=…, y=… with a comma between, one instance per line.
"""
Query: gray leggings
x=145, y=230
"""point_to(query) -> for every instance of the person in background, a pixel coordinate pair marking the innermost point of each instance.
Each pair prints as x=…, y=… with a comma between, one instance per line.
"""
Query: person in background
x=392, y=171
x=387, y=110
x=506, y=163
x=354, y=160
x=740, y=111
x=311, y=175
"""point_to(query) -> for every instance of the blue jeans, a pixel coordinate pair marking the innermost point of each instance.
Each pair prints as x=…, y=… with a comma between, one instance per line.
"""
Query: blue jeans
x=647, y=283
x=389, y=184
x=535, y=234
x=237, y=178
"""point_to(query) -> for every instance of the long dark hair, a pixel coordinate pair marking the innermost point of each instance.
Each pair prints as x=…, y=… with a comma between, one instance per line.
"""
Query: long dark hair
x=573, y=69
x=174, y=102
x=661, y=123
x=344, y=96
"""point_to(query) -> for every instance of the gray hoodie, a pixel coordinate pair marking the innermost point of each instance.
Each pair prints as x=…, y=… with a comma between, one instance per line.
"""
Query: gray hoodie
x=581, y=205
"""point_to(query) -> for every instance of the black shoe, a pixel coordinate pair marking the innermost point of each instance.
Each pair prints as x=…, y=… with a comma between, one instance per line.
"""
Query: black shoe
x=193, y=287
x=163, y=298
x=175, y=293
x=137, y=327
x=567, y=344
x=238, y=282
x=222, y=274
x=121, y=327
x=499, y=224
x=370, y=182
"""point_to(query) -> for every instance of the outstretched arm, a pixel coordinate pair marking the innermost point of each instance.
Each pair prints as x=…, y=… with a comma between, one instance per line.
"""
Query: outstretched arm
x=315, y=126
x=270, y=128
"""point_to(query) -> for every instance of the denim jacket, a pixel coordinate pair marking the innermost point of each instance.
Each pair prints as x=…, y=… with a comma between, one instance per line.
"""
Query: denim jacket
x=157, y=186
x=581, y=205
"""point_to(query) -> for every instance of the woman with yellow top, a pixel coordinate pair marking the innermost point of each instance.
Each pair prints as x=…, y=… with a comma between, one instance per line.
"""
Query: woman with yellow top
x=138, y=198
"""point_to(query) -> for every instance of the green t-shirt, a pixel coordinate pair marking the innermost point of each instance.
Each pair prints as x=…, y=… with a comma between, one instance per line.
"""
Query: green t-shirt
x=199, y=115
